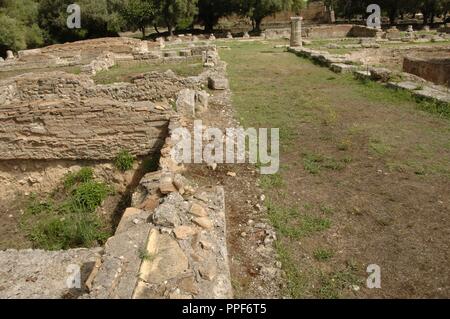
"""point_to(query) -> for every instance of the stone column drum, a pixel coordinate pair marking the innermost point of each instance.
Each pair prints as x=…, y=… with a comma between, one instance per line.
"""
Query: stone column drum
x=296, y=31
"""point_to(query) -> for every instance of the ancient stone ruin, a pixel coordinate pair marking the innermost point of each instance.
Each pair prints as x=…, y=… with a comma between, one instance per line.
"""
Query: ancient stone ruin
x=170, y=242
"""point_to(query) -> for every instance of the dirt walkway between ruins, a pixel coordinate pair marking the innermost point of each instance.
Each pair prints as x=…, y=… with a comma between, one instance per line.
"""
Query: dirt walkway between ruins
x=364, y=179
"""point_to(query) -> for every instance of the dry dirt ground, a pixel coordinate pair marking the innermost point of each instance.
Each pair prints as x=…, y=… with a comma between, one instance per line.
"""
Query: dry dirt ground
x=365, y=179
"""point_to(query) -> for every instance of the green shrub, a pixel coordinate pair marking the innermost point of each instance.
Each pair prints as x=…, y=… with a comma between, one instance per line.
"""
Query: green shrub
x=88, y=196
x=84, y=175
x=124, y=161
x=71, y=231
x=68, y=219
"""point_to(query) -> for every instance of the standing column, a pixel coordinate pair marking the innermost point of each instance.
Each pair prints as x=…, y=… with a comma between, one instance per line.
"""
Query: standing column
x=296, y=31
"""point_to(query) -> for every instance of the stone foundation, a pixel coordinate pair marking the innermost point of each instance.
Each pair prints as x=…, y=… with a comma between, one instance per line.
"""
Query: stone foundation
x=436, y=70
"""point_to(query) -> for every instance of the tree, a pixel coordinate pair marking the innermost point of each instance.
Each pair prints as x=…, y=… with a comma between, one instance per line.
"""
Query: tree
x=19, y=25
x=257, y=10
x=139, y=14
x=12, y=36
x=210, y=11
x=98, y=19
x=172, y=13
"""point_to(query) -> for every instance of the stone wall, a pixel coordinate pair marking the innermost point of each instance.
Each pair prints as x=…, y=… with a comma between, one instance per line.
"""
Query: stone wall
x=65, y=116
x=92, y=128
x=152, y=86
x=360, y=31
x=325, y=32
x=340, y=31
x=434, y=69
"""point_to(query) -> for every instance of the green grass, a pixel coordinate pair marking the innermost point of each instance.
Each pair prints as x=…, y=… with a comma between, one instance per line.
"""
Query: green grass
x=296, y=282
x=271, y=181
x=326, y=122
x=323, y=254
x=84, y=175
x=144, y=255
x=292, y=223
x=124, y=161
x=126, y=71
x=68, y=218
x=313, y=163
x=332, y=285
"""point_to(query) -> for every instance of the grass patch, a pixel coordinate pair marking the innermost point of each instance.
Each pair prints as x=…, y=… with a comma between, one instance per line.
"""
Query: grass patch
x=273, y=181
x=84, y=175
x=379, y=147
x=68, y=218
x=291, y=223
x=313, y=163
x=124, y=161
x=323, y=254
x=332, y=285
x=295, y=281
x=124, y=72
x=144, y=255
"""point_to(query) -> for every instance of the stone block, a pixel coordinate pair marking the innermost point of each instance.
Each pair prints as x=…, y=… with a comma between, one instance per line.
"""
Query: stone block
x=218, y=83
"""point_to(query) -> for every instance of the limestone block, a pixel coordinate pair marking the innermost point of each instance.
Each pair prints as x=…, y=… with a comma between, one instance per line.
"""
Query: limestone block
x=186, y=102
x=167, y=260
x=218, y=83
x=201, y=101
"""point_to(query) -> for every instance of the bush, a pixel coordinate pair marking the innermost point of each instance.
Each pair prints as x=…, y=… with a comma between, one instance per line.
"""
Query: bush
x=68, y=219
x=84, y=175
x=124, y=161
x=72, y=231
x=88, y=196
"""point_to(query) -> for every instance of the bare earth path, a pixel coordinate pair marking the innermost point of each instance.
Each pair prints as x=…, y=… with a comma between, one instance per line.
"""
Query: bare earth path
x=365, y=178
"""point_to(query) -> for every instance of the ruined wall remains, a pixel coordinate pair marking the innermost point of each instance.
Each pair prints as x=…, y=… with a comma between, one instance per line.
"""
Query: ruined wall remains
x=435, y=69
x=152, y=86
x=92, y=128
x=340, y=31
x=65, y=116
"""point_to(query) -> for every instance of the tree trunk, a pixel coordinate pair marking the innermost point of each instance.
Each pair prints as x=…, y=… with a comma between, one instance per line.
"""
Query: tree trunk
x=393, y=16
x=258, y=22
x=425, y=18
x=209, y=26
x=143, y=32
x=156, y=29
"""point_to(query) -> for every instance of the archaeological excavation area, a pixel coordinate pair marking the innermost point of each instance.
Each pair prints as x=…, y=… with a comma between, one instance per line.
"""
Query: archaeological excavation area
x=95, y=206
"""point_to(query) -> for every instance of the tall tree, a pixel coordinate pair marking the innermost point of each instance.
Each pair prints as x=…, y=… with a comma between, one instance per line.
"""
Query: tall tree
x=97, y=19
x=139, y=14
x=19, y=29
x=210, y=11
x=257, y=10
x=171, y=13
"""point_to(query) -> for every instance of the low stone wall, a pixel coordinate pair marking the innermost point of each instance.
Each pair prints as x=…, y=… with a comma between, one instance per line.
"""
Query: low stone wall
x=75, y=119
x=93, y=128
x=178, y=230
x=436, y=70
x=359, y=31
x=417, y=86
x=152, y=86
x=100, y=54
x=101, y=63
x=325, y=32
